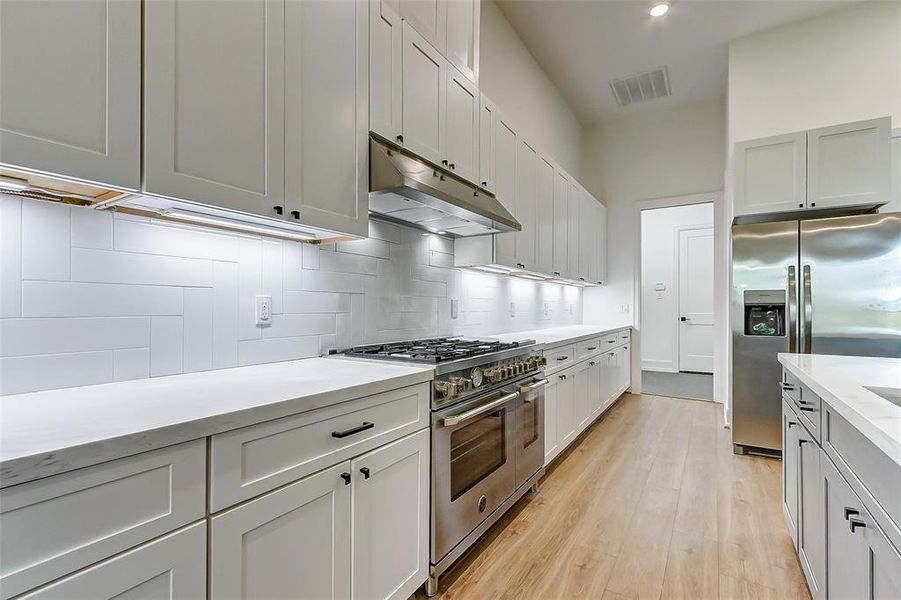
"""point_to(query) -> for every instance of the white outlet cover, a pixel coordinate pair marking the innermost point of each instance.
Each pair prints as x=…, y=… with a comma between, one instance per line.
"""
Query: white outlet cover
x=263, y=310
x=513, y=309
x=454, y=308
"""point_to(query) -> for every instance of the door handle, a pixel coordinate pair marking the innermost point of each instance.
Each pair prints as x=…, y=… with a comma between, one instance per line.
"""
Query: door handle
x=531, y=387
x=343, y=434
x=465, y=416
x=684, y=319
x=792, y=310
x=808, y=311
x=365, y=472
x=849, y=512
x=854, y=522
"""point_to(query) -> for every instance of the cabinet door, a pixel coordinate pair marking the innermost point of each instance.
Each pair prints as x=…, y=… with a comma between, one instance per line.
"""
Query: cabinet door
x=171, y=567
x=526, y=240
x=214, y=102
x=608, y=378
x=424, y=94
x=551, y=445
x=771, y=174
x=811, y=521
x=385, y=66
x=429, y=19
x=884, y=564
x=463, y=36
x=601, y=241
x=462, y=126
x=70, y=102
x=561, y=223
x=544, y=222
x=847, y=575
x=595, y=396
x=487, y=135
x=505, y=162
x=588, y=265
x=583, y=396
x=391, y=519
x=849, y=164
x=790, y=458
x=291, y=543
x=326, y=120
x=625, y=364
x=566, y=409
x=573, y=205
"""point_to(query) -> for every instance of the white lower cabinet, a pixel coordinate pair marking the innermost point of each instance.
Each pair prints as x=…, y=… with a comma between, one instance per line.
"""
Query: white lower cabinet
x=170, y=568
x=551, y=407
x=566, y=409
x=391, y=519
x=581, y=375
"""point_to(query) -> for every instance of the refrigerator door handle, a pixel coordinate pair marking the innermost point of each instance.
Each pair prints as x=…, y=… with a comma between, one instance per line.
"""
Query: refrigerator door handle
x=792, y=310
x=808, y=311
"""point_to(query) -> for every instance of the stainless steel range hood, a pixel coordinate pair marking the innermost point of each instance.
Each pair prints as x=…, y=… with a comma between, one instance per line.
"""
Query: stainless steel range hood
x=406, y=189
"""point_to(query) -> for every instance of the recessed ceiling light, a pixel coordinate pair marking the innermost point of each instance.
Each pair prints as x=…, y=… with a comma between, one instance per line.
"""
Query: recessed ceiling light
x=659, y=9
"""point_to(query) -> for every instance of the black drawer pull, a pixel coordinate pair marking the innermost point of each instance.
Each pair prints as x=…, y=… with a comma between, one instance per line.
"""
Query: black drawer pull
x=807, y=408
x=346, y=478
x=855, y=523
x=365, y=472
x=792, y=424
x=343, y=434
x=562, y=358
x=590, y=348
x=849, y=512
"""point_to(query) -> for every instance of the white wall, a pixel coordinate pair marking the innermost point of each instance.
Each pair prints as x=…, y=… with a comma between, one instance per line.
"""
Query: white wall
x=511, y=77
x=660, y=263
x=91, y=297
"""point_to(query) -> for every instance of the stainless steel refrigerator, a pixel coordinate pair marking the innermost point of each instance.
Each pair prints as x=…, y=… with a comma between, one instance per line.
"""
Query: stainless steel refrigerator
x=820, y=286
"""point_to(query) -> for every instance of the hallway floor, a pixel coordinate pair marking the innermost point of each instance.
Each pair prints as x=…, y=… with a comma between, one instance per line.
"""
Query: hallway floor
x=650, y=503
x=680, y=385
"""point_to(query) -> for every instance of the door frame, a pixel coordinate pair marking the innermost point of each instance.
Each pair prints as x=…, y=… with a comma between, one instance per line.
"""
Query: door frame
x=720, y=285
x=677, y=281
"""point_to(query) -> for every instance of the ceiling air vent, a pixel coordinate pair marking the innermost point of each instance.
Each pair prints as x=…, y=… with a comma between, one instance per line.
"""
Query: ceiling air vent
x=641, y=86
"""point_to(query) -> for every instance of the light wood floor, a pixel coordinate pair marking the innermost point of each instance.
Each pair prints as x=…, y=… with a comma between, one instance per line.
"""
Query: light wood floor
x=649, y=503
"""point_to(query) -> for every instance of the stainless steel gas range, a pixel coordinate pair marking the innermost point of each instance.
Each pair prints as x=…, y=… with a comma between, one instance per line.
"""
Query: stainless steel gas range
x=487, y=434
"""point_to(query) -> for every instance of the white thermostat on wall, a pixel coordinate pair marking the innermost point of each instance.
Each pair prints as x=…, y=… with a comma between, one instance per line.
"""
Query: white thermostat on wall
x=659, y=286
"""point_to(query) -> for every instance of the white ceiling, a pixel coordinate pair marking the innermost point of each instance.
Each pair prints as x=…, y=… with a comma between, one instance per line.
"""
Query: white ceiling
x=583, y=44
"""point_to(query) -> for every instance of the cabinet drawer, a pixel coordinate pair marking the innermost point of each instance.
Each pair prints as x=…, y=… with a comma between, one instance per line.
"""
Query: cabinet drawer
x=171, y=567
x=623, y=337
x=807, y=404
x=559, y=358
x=56, y=525
x=609, y=341
x=588, y=348
x=874, y=476
x=250, y=461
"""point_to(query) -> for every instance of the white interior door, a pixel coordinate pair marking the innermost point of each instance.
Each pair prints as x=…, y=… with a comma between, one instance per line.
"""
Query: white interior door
x=696, y=300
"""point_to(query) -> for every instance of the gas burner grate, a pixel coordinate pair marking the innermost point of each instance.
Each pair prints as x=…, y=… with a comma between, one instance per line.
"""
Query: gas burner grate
x=431, y=351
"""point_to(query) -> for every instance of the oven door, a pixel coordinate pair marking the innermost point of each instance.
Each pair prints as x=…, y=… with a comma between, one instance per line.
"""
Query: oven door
x=529, y=422
x=473, y=449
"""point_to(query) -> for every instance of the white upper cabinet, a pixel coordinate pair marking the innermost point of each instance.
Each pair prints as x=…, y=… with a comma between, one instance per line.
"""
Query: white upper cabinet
x=601, y=240
x=424, y=84
x=462, y=126
x=214, y=102
x=70, y=102
x=544, y=192
x=526, y=205
x=385, y=68
x=573, y=204
x=429, y=18
x=505, y=162
x=561, y=222
x=326, y=116
x=391, y=519
x=463, y=36
x=771, y=174
x=849, y=164
x=587, y=259
x=487, y=133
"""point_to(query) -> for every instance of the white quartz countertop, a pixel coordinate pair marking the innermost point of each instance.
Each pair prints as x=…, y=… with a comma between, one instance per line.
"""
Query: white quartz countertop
x=842, y=382
x=44, y=433
x=559, y=335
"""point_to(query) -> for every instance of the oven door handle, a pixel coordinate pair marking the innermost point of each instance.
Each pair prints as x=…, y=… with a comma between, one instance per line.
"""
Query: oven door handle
x=531, y=387
x=465, y=416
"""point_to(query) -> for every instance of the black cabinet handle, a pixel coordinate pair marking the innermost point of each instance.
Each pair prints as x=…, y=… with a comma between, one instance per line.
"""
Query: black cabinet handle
x=592, y=363
x=591, y=348
x=855, y=523
x=792, y=424
x=850, y=512
x=802, y=442
x=400, y=139
x=787, y=386
x=444, y=162
x=562, y=358
x=346, y=478
x=611, y=341
x=451, y=166
x=295, y=214
x=343, y=434
x=683, y=318
x=807, y=408
x=484, y=184
x=365, y=472
x=278, y=209
x=556, y=273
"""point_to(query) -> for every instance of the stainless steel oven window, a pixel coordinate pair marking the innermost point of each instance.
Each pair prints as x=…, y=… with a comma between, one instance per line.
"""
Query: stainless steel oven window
x=530, y=422
x=477, y=449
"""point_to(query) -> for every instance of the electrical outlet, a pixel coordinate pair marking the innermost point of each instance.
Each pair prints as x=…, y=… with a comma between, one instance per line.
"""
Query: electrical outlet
x=455, y=308
x=264, y=310
x=513, y=309
x=547, y=309
x=624, y=308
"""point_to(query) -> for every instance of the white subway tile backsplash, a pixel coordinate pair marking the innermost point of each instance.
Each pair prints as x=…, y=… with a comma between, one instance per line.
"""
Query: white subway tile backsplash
x=20, y=374
x=64, y=299
x=91, y=228
x=131, y=363
x=149, y=298
x=198, y=329
x=20, y=337
x=104, y=266
x=166, y=346
x=45, y=240
x=10, y=256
